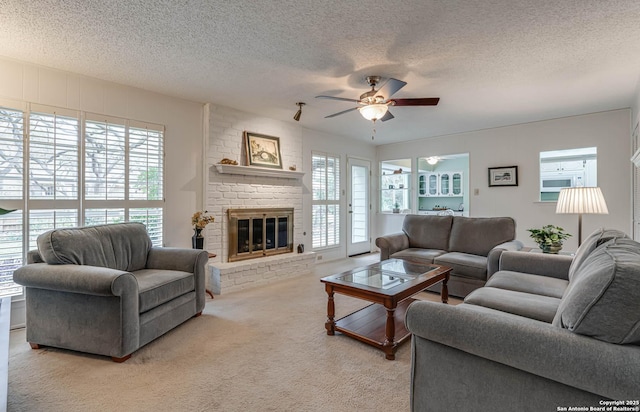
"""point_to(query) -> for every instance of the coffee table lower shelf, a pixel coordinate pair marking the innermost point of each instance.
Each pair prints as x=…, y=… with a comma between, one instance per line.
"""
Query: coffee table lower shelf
x=368, y=324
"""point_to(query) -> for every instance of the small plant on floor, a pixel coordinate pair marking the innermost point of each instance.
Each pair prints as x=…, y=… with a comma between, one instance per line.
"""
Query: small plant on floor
x=549, y=238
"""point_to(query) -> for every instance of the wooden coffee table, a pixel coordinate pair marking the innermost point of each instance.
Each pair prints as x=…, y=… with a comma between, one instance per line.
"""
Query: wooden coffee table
x=389, y=285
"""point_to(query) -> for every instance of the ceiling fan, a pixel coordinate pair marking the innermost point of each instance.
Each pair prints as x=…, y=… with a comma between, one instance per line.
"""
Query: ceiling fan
x=374, y=104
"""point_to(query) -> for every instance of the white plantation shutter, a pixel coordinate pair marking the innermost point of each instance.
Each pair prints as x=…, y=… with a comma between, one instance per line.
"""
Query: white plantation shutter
x=11, y=161
x=152, y=219
x=11, y=251
x=104, y=164
x=325, y=187
x=42, y=220
x=53, y=156
x=146, y=163
x=103, y=216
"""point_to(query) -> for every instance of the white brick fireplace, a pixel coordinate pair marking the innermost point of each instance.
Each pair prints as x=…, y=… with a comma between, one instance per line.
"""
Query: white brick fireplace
x=236, y=191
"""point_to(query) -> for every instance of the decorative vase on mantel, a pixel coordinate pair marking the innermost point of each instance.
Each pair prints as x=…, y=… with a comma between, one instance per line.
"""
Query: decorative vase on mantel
x=553, y=248
x=197, y=240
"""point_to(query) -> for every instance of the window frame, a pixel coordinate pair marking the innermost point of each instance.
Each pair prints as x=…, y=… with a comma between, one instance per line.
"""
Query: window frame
x=27, y=204
x=326, y=202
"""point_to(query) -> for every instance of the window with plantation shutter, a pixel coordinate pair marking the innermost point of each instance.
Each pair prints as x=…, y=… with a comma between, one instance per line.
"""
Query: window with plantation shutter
x=104, y=164
x=11, y=251
x=46, y=219
x=81, y=169
x=152, y=219
x=145, y=164
x=53, y=156
x=11, y=156
x=103, y=216
x=325, y=187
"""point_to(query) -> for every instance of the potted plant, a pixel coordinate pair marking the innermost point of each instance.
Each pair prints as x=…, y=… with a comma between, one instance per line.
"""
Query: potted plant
x=549, y=238
x=396, y=208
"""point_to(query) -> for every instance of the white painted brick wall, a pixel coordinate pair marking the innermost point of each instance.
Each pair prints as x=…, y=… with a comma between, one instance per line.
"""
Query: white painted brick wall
x=229, y=277
x=227, y=191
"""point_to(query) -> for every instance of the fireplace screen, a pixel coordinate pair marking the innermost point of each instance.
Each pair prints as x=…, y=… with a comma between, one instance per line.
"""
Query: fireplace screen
x=256, y=233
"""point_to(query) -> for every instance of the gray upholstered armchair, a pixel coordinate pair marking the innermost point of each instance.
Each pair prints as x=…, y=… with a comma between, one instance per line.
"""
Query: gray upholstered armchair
x=105, y=290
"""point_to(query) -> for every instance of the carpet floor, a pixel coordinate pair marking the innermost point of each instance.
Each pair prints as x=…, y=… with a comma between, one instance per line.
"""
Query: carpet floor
x=259, y=349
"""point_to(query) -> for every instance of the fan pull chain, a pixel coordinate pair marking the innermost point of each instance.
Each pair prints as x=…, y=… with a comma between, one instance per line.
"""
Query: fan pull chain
x=374, y=129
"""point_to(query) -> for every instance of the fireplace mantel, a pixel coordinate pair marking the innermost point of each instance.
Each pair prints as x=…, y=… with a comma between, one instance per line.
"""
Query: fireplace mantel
x=258, y=171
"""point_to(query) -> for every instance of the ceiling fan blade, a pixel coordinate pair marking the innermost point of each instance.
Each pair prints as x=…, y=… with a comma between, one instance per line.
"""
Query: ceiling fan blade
x=427, y=101
x=337, y=98
x=390, y=88
x=342, y=112
x=387, y=116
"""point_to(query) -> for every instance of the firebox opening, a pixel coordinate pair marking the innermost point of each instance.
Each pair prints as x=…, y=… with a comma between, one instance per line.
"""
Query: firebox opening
x=255, y=233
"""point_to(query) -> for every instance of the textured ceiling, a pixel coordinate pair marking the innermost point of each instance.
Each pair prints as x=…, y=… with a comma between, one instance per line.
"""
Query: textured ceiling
x=492, y=62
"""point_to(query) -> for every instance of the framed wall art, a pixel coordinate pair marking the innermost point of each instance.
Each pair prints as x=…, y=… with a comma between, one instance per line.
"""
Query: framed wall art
x=503, y=176
x=263, y=150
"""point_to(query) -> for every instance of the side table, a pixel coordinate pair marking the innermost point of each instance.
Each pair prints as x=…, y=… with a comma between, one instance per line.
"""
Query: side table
x=208, y=291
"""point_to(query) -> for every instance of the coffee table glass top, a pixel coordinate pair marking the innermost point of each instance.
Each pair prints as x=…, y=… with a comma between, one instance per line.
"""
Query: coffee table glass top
x=387, y=274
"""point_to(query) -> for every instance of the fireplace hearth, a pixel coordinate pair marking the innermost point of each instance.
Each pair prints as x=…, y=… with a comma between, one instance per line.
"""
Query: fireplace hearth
x=255, y=233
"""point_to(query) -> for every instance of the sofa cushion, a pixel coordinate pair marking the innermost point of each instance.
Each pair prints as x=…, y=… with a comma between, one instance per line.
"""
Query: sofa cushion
x=464, y=264
x=418, y=255
x=603, y=297
x=528, y=283
x=478, y=235
x=156, y=286
x=529, y=305
x=427, y=232
x=122, y=246
x=595, y=239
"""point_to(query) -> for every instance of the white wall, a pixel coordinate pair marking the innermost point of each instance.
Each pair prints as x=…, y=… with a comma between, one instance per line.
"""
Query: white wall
x=345, y=148
x=520, y=145
x=183, y=121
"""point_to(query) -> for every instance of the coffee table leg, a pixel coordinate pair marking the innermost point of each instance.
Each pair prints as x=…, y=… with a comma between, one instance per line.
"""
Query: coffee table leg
x=330, y=324
x=390, y=345
x=445, y=289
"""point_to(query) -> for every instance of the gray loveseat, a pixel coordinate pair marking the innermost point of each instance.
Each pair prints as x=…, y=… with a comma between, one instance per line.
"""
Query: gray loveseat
x=106, y=290
x=471, y=246
x=546, y=332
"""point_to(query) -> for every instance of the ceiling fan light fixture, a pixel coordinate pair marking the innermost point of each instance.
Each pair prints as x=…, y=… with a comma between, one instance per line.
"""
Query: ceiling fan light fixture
x=432, y=160
x=374, y=111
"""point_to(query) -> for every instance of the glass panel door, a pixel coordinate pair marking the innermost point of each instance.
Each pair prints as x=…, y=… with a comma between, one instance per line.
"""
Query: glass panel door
x=358, y=210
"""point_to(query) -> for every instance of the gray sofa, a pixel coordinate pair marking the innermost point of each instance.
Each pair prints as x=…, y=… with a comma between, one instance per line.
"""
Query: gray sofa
x=546, y=332
x=471, y=246
x=105, y=290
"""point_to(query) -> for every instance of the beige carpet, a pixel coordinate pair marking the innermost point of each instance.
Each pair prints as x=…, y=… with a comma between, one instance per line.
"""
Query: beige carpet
x=261, y=349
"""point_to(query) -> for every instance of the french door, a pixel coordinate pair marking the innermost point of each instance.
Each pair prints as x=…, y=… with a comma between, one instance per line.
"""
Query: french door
x=358, y=206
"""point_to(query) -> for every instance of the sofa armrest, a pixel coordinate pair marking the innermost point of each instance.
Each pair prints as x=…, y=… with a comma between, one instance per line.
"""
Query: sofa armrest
x=84, y=279
x=187, y=260
x=169, y=258
x=493, y=258
x=544, y=264
x=606, y=369
x=33, y=256
x=391, y=244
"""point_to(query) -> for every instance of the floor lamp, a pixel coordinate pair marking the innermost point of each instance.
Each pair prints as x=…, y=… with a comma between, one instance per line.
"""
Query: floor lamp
x=581, y=200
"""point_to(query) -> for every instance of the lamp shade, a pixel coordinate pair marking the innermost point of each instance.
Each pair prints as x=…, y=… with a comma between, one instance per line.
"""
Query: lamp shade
x=373, y=111
x=587, y=200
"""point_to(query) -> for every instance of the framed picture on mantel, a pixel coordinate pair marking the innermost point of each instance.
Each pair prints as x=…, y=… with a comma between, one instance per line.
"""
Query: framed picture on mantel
x=503, y=176
x=263, y=150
